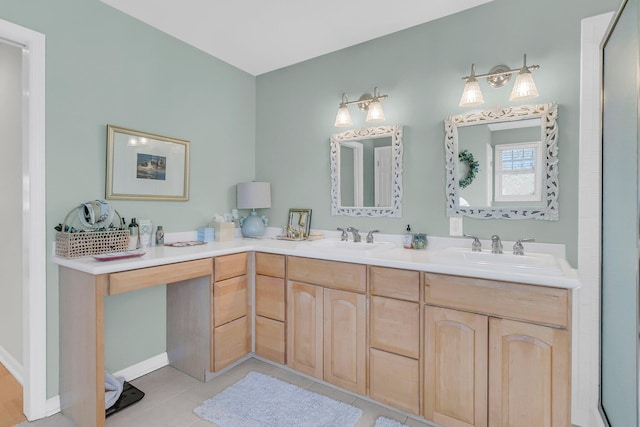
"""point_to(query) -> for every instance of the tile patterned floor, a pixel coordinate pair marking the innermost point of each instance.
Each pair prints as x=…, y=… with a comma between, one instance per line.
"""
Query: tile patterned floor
x=171, y=396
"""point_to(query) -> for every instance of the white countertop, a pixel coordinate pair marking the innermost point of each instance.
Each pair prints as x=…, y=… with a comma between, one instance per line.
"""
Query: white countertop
x=397, y=257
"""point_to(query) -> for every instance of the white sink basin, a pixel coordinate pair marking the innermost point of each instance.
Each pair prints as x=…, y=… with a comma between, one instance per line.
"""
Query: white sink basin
x=335, y=246
x=530, y=263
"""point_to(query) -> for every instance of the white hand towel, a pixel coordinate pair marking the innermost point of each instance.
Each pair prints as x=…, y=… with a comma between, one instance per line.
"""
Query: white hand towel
x=112, y=388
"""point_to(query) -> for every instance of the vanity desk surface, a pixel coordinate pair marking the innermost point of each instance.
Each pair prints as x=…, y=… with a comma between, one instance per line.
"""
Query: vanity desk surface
x=398, y=257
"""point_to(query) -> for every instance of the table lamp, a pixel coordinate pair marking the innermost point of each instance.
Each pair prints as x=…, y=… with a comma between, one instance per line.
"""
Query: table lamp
x=253, y=195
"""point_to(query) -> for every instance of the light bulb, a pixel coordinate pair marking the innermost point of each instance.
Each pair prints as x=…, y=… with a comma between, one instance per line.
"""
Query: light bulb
x=374, y=112
x=471, y=95
x=524, y=87
x=343, y=118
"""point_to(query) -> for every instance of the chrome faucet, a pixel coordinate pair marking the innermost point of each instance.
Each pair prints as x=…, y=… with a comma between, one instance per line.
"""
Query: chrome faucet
x=356, y=235
x=518, y=249
x=344, y=236
x=370, y=235
x=476, y=246
x=496, y=244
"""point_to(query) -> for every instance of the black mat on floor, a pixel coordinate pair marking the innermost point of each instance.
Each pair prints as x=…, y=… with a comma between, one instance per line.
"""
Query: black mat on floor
x=129, y=396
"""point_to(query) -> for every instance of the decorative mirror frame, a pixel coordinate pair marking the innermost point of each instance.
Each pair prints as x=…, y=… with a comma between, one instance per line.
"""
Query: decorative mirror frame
x=395, y=210
x=549, y=134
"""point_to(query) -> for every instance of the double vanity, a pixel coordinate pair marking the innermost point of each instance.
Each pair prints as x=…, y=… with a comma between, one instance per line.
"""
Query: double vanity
x=460, y=338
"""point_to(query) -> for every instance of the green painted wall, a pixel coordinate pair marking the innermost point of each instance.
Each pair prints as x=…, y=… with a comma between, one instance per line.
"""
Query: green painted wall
x=421, y=70
x=104, y=67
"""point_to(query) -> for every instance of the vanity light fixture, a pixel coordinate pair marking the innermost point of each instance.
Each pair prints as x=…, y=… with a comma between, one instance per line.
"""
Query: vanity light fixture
x=498, y=76
x=368, y=103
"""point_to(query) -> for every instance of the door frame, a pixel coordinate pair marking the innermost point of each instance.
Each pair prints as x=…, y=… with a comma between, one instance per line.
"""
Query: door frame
x=34, y=296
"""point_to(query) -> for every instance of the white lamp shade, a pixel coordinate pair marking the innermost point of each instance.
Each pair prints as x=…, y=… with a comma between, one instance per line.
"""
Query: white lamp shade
x=343, y=118
x=374, y=112
x=471, y=95
x=524, y=87
x=253, y=195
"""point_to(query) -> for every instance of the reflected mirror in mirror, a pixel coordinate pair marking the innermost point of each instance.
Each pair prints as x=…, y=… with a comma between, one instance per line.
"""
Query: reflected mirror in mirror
x=366, y=172
x=503, y=163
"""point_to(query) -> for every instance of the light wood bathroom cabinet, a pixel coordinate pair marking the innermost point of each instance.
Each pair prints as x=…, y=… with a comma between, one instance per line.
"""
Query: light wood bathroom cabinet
x=326, y=321
x=394, y=337
x=270, y=307
x=496, y=353
x=231, y=327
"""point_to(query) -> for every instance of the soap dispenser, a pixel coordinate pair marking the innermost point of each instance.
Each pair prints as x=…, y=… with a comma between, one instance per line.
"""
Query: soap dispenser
x=407, y=240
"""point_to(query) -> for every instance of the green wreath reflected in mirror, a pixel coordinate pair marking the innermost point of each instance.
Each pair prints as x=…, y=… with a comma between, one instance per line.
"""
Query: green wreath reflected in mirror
x=473, y=167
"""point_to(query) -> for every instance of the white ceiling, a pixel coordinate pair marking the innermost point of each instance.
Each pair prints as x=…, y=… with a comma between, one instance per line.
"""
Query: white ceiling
x=259, y=36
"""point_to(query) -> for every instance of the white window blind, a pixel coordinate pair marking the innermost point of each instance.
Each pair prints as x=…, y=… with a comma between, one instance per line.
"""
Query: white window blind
x=518, y=169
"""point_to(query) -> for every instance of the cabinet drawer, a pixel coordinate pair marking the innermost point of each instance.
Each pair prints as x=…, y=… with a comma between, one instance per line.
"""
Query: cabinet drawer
x=395, y=326
x=229, y=300
x=230, y=266
x=532, y=303
x=394, y=283
x=141, y=278
x=339, y=275
x=231, y=342
x=394, y=380
x=270, y=264
x=270, y=342
x=270, y=297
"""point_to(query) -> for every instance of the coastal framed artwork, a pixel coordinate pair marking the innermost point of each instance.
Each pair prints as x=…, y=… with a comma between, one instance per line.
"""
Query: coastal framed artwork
x=144, y=166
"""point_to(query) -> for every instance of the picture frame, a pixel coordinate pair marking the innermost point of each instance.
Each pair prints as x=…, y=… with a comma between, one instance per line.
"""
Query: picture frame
x=145, y=166
x=300, y=221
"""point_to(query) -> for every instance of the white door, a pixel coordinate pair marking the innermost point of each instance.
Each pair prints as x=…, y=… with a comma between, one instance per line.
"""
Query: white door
x=11, y=212
x=382, y=158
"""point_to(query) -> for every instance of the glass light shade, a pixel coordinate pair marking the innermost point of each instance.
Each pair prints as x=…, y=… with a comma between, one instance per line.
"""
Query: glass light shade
x=374, y=112
x=471, y=95
x=524, y=87
x=343, y=118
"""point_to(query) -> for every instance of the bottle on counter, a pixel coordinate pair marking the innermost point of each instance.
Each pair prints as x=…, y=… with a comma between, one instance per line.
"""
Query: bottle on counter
x=134, y=235
x=407, y=240
x=159, y=236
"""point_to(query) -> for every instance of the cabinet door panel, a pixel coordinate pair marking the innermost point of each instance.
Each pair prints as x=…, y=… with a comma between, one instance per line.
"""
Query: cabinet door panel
x=530, y=375
x=270, y=264
x=229, y=300
x=333, y=274
x=270, y=339
x=345, y=340
x=456, y=348
x=231, y=342
x=304, y=328
x=395, y=283
x=228, y=266
x=270, y=297
x=395, y=326
x=394, y=380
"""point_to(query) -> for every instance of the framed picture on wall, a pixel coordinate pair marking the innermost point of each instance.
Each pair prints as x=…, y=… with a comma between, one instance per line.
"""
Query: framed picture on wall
x=144, y=166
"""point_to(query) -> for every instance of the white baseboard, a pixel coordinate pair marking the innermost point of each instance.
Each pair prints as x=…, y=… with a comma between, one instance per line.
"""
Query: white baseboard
x=130, y=373
x=144, y=367
x=12, y=365
x=52, y=406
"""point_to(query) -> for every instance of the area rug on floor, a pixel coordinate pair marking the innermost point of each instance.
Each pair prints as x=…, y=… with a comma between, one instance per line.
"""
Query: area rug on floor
x=388, y=422
x=259, y=400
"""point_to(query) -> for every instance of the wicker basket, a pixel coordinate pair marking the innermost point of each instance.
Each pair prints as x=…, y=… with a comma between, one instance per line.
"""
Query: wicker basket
x=87, y=243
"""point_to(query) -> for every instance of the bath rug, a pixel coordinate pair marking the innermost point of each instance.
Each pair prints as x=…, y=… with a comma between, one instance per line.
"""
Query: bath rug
x=388, y=422
x=260, y=400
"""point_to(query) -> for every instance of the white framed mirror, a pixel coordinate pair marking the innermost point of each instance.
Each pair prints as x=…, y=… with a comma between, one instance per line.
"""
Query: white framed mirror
x=502, y=163
x=366, y=172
